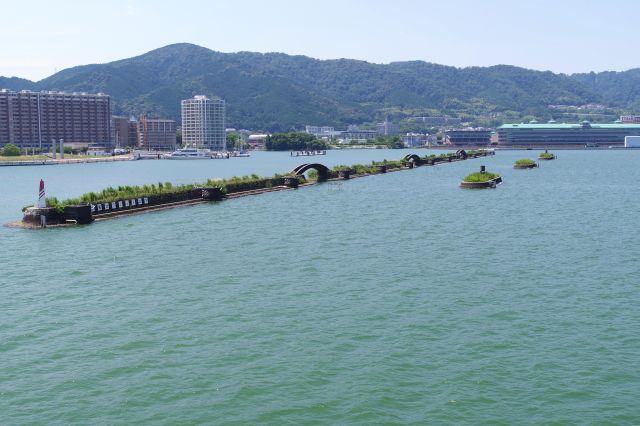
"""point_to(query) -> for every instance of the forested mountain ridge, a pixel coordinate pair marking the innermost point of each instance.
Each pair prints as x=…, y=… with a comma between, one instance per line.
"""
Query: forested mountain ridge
x=280, y=92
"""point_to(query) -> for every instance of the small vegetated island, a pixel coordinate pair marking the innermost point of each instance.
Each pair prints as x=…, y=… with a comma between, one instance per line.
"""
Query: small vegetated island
x=525, y=163
x=546, y=156
x=481, y=179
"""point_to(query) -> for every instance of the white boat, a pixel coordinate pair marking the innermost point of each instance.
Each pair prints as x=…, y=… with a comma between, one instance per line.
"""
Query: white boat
x=219, y=155
x=241, y=153
x=189, y=154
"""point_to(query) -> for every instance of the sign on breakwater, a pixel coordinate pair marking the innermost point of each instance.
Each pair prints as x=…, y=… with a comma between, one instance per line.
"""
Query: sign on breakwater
x=115, y=202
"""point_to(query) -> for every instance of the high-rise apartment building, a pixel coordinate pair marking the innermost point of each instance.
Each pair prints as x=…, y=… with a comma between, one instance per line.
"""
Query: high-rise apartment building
x=204, y=123
x=33, y=119
x=156, y=134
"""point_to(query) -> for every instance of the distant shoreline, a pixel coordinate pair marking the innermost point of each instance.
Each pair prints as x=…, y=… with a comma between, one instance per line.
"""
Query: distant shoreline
x=52, y=162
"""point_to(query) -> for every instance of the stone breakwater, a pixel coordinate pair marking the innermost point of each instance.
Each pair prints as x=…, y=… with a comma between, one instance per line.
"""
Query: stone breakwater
x=67, y=214
x=52, y=162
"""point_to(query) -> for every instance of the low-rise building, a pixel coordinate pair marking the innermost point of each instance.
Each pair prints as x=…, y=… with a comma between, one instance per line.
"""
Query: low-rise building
x=156, y=134
x=125, y=131
x=257, y=141
x=468, y=137
x=322, y=132
x=632, y=141
x=358, y=135
x=415, y=139
x=564, y=134
x=387, y=128
x=630, y=119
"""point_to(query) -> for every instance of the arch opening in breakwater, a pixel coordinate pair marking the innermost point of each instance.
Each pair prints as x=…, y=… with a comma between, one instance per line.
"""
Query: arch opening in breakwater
x=323, y=171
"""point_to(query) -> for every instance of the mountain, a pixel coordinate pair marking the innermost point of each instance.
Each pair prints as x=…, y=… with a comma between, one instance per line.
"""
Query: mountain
x=15, y=83
x=275, y=91
x=615, y=88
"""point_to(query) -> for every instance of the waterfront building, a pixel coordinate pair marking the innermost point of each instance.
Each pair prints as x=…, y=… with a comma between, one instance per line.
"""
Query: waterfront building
x=632, y=141
x=156, y=134
x=414, y=139
x=125, y=131
x=468, y=137
x=204, y=123
x=322, y=132
x=312, y=130
x=257, y=141
x=244, y=134
x=563, y=134
x=630, y=119
x=387, y=128
x=34, y=119
x=354, y=133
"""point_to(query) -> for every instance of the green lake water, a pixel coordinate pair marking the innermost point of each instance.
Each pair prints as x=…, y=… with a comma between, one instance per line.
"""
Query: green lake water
x=391, y=299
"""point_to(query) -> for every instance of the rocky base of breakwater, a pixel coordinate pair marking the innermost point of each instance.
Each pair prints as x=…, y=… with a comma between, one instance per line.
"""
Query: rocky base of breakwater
x=525, y=166
x=85, y=214
x=480, y=185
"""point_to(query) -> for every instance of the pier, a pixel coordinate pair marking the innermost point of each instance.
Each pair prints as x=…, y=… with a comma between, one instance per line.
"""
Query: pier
x=308, y=153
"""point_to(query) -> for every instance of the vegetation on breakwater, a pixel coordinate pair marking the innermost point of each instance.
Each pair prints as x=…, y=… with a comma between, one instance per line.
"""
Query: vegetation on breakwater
x=365, y=169
x=227, y=186
x=375, y=166
x=480, y=177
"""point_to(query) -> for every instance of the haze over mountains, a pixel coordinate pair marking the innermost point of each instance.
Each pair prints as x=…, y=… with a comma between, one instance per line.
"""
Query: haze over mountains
x=275, y=91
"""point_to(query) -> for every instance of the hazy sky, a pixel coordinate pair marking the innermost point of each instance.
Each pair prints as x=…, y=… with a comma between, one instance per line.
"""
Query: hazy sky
x=39, y=37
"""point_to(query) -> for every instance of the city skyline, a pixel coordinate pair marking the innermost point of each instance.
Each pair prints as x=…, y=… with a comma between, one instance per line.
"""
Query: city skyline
x=458, y=33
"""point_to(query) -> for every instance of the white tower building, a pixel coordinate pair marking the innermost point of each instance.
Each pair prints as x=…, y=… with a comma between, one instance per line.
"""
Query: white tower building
x=204, y=123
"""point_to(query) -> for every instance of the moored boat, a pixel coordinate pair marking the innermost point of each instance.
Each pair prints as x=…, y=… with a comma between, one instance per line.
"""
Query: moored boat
x=189, y=154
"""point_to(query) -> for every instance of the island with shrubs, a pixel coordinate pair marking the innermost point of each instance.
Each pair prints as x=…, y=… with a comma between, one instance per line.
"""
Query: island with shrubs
x=546, y=155
x=525, y=163
x=481, y=179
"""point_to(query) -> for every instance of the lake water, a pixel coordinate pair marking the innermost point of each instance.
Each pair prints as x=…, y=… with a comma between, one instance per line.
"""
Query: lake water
x=395, y=298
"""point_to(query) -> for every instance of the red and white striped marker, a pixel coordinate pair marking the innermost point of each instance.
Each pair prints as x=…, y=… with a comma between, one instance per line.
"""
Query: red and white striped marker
x=41, y=200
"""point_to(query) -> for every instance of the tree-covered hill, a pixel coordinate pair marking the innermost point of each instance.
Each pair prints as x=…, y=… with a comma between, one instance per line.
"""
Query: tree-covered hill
x=279, y=92
x=615, y=88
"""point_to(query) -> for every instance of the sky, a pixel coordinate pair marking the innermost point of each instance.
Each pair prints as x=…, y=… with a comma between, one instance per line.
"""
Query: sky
x=38, y=37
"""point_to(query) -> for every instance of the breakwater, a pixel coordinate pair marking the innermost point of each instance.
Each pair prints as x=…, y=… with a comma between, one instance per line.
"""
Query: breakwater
x=53, y=162
x=126, y=200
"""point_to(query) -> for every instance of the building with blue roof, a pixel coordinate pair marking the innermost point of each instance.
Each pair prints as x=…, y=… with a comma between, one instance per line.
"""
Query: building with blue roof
x=582, y=134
